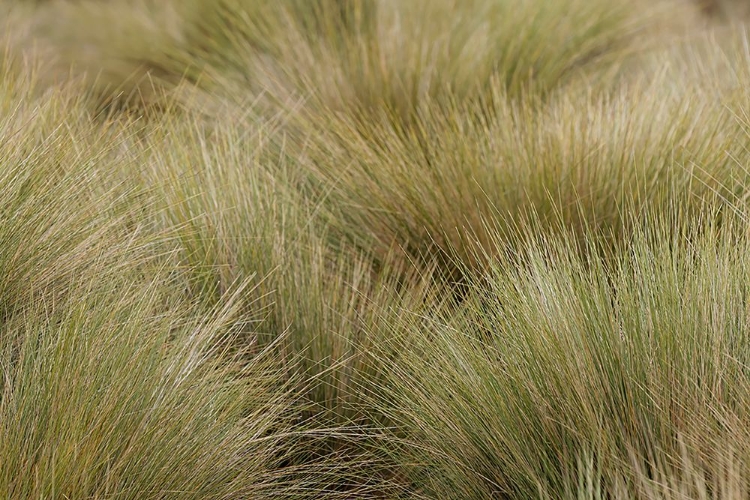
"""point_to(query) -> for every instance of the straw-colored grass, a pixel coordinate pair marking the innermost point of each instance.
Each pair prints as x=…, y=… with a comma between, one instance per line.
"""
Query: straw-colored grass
x=629, y=372
x=374, y=249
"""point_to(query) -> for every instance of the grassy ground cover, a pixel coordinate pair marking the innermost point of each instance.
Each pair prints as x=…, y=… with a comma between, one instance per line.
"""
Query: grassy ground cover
x=374, y=249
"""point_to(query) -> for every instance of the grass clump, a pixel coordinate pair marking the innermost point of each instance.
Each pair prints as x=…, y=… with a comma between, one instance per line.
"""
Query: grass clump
x=375, y=54
x=122, y=397
x=410, y=54
x=629, y=373
x=56, y=213
x=593, y=163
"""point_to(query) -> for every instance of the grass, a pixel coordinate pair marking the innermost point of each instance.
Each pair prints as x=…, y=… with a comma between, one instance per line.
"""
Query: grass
x=373, y=249
x=658, y=381
x=589, y=161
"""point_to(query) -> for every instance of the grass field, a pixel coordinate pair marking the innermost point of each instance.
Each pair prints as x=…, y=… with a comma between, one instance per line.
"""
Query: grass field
x=435, y=249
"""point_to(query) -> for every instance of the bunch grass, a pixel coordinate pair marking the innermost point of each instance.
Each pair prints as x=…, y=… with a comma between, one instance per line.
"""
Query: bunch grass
x=629, y=373
x=357, y=249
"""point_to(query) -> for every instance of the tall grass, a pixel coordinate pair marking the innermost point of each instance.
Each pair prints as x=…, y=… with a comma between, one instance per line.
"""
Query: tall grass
x=349, y=55
x=112, y=384
x=344, y=249
x=119, y=396
x=238, y=216
x=57, y=214
x=595, y=162
x=636, y=369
